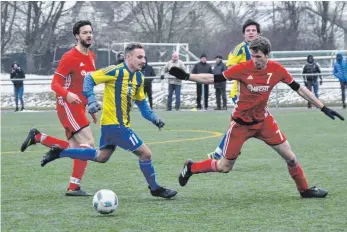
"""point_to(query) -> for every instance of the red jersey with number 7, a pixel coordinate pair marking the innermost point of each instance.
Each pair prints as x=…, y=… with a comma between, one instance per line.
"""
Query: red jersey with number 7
x=255, y=88
x=72, y=69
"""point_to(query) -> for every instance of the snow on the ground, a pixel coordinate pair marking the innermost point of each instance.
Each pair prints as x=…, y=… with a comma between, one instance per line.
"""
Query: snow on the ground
x=37, y=93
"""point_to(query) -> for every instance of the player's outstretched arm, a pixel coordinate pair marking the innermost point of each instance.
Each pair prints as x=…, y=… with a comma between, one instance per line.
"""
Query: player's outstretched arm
x=309, y=96
x=204, y=78
x=148, y=114
x=88, y=92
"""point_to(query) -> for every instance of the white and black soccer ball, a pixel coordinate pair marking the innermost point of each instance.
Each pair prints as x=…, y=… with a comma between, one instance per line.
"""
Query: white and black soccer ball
x=105, y=201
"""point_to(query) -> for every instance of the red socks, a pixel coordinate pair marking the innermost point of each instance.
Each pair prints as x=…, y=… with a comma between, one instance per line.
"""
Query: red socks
x=49, y=141
x=79, y=166
x=204, y=166
x=298, y=176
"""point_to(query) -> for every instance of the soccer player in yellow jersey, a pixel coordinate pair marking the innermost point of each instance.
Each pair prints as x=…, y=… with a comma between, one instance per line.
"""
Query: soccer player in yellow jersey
x=124, y=85
x=239, y=54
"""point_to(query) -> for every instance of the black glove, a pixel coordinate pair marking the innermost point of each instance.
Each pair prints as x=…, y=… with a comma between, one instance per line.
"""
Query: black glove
x=162, y=77
x=179, y=73
x=159, y=123
x=332, y=113
x=321, y=82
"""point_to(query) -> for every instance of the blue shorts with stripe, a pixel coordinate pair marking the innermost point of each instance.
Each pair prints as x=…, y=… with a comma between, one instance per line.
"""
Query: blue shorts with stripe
x=113, y=136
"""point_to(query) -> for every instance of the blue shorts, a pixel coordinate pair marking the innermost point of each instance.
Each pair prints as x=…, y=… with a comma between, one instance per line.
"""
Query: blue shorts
x=115, y=135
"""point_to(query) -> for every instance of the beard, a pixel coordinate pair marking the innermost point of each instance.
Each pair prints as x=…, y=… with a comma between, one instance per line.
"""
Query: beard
x=85, y=44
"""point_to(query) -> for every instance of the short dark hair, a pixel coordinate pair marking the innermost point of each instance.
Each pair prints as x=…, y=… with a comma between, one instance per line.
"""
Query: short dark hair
x=250, y=22
x=261, y=43
x=78, y=25
x=131, y=47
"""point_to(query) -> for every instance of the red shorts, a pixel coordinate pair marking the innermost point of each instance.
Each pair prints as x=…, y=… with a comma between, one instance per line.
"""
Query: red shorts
x=267, y=131
x=72, y=116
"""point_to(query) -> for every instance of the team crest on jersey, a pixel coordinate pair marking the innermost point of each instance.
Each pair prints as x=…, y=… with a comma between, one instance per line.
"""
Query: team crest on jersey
x=261, y=88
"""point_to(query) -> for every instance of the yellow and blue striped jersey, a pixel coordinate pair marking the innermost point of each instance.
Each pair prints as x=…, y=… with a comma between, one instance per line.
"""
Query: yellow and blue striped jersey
x=122, y=88
x=238, y=55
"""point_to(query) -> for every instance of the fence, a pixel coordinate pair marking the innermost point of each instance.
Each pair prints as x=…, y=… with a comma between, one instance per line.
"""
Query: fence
x=292, y=60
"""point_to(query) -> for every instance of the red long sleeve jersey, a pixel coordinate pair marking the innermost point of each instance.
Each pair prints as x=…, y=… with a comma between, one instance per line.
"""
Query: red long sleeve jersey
x=255, y=88
x=72, y=69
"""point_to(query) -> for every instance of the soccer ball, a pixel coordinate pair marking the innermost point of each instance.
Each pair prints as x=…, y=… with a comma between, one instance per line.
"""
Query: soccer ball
x=105, y=201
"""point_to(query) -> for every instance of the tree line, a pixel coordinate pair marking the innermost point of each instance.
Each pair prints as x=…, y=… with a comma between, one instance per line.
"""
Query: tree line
x=36, y=28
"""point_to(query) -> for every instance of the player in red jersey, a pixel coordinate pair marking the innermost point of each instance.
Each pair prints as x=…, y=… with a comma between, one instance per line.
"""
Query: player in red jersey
x=251, y=117
x=67, y=83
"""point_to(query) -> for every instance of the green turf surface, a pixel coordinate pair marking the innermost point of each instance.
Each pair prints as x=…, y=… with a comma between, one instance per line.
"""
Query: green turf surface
x=258, y=195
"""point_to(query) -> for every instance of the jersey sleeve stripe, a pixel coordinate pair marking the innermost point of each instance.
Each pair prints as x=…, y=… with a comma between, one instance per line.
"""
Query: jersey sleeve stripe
x=118, y=97
x=60, y=74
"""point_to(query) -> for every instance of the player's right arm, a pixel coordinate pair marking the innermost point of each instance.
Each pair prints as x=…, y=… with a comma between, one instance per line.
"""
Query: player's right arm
x=104, y=75
x=64, y=69
x=208, y=78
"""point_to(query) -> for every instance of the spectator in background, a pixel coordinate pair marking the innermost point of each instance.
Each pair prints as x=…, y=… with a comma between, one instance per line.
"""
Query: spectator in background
x=174, y=83
x=148, y=71
x=120, y=58
x=16, y=75
x=312, y=67
x=219, y=68
x=202, y=67
x=340, y=72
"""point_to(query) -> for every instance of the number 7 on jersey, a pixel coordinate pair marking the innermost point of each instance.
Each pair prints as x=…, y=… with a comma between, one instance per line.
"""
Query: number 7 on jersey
x=269, y=77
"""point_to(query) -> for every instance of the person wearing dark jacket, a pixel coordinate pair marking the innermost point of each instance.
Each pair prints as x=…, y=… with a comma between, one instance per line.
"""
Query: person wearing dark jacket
x=311, y=81
x=16, y=75
x=120, y=58
x=148, y=71
x=220, y=88
x=202, y=67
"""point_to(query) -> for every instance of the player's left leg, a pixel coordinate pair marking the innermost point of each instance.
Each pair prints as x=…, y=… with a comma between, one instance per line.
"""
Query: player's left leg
x=297, y=173
x=35, y=136
x=147, y=169
x=74, y=119
x=235, y=138
x=129, y=141
x=81, y=138
x=271, y=135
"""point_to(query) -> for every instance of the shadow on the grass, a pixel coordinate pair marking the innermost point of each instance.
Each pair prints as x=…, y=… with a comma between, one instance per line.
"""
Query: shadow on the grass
x=112, y=215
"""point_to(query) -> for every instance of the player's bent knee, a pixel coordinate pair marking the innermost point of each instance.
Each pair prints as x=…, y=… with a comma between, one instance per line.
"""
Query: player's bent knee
x=144, y=153
x=225, y=169
x=102, y=159
x=103, y=155
x=291, y=162
x=145, y=156
x=225, y=165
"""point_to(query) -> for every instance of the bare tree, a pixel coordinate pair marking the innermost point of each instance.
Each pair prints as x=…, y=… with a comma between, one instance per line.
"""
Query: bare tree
x=161, y=21
x=331, y=15
x=36, y=23
x=227, y=18
x=291, y=15
x=8, y=15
